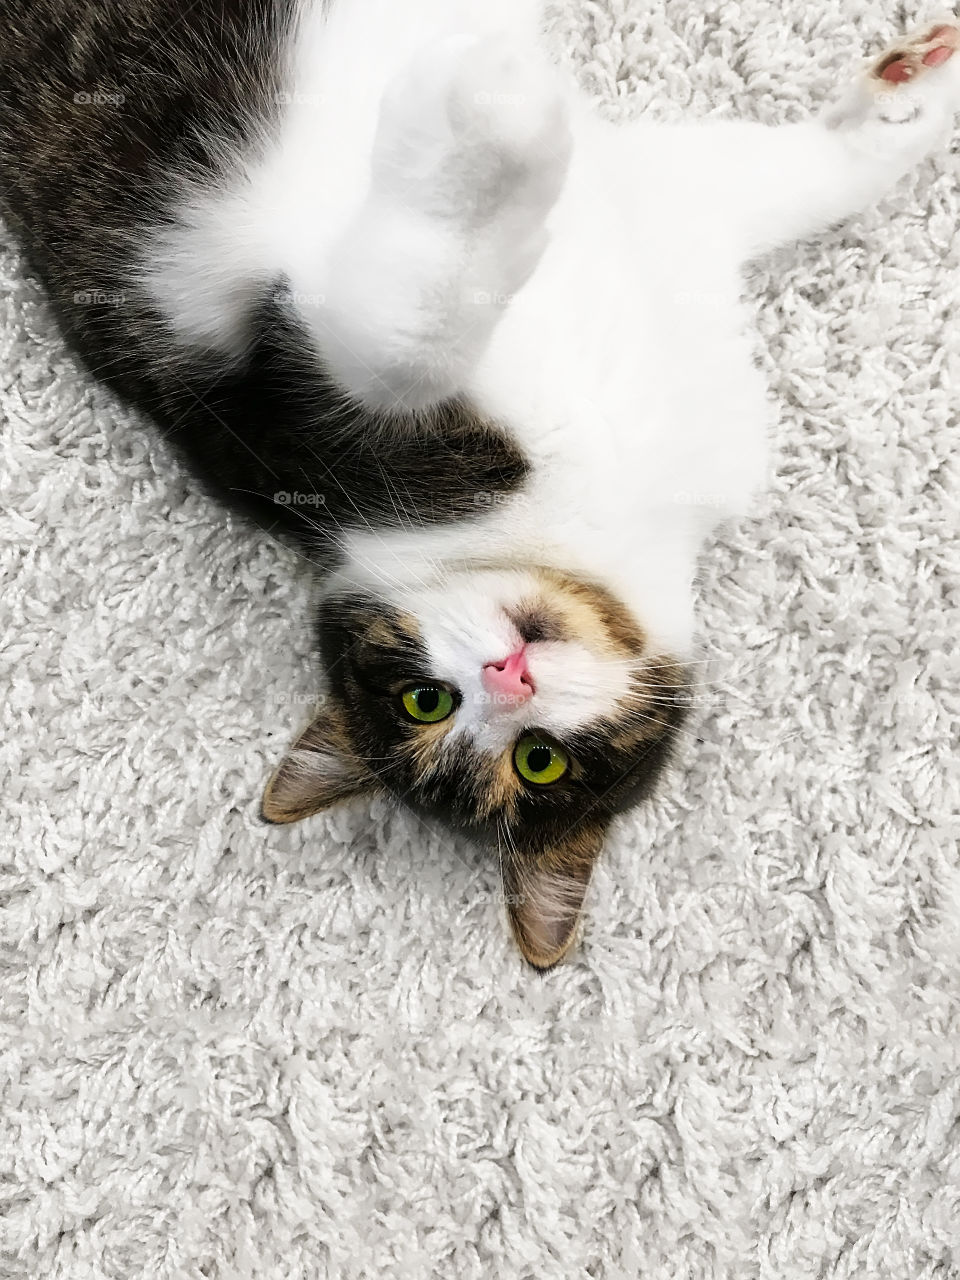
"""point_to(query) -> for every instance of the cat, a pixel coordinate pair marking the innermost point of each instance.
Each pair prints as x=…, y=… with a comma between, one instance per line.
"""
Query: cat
x=389, y=283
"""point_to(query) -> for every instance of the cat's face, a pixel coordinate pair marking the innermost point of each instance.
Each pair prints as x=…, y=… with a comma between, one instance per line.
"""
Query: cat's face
x=521, y=706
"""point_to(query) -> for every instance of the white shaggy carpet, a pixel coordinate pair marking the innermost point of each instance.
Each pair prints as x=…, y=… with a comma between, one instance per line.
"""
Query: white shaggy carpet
x=229, y=1051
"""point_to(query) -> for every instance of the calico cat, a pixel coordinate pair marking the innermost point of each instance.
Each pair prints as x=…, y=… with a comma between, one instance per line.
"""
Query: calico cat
x=389, y=284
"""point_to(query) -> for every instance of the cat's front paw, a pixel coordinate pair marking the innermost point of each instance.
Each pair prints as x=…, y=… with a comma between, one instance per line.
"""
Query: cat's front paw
x=509, y=115
x=511, y=123
x=474, y=139
x=471, y=127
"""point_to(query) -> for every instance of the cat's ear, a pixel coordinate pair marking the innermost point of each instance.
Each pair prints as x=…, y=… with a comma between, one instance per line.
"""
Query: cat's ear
x=319, y=770
x=545, y=892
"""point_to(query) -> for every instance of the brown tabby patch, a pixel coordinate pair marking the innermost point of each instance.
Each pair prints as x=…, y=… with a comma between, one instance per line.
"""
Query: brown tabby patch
x=595, y=614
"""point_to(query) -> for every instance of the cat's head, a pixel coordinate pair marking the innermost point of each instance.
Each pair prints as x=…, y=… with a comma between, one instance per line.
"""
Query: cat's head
x=522, y=706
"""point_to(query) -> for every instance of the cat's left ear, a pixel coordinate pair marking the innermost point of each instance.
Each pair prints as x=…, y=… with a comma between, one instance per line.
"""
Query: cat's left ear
x=545, y=892
x=319, y=771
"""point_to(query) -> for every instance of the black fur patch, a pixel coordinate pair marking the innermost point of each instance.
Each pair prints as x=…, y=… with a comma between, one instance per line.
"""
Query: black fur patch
x=278, y=438
x=100, y=103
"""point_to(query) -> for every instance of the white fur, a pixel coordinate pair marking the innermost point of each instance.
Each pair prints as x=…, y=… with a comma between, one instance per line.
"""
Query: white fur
x=626, y=377
x=465, y=626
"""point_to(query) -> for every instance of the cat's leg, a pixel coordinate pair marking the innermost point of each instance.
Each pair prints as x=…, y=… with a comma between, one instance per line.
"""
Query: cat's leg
x=769, y=185
x=471, y=154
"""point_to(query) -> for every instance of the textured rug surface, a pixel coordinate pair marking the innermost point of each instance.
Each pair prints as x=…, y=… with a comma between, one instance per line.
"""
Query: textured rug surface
x=227, y=1051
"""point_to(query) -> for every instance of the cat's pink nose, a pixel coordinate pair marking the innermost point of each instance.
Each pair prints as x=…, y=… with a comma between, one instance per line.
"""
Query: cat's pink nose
x=509, y=682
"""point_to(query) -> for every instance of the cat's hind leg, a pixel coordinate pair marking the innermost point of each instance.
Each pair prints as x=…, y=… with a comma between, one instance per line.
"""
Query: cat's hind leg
x=470, y=156
x=769, y=185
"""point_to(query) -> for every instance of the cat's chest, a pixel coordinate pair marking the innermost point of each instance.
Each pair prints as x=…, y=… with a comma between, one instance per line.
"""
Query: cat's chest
x=624, y=381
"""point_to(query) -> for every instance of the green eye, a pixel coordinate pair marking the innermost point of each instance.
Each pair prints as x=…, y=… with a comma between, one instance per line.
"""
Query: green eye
x=428, y=703
x=540, y=762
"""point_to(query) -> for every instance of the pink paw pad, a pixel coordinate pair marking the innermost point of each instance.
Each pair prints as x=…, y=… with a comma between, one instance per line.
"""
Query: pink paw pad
x=898, y=72
x=932, y=50
x=937, y=57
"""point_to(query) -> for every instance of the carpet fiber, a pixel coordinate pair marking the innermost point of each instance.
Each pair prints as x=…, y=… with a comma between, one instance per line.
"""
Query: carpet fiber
x=229, y=1051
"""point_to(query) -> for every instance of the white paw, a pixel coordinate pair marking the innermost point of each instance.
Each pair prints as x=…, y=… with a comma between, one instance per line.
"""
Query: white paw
x=917, y=81
x=475, y=138
x=918, y=72
x=510, y=108
x=513, y=136
x=913, y=58
x=472, y=127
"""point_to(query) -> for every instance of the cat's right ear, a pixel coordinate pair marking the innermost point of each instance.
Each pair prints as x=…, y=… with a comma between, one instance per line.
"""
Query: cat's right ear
x=319, y=771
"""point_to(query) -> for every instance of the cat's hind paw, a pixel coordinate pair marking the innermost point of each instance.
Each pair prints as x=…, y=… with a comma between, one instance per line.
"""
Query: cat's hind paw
x=904, y=63
x=917, y=73
x=915, y=82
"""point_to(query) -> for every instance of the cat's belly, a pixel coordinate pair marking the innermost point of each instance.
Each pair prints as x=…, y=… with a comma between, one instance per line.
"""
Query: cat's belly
x=624, y=366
